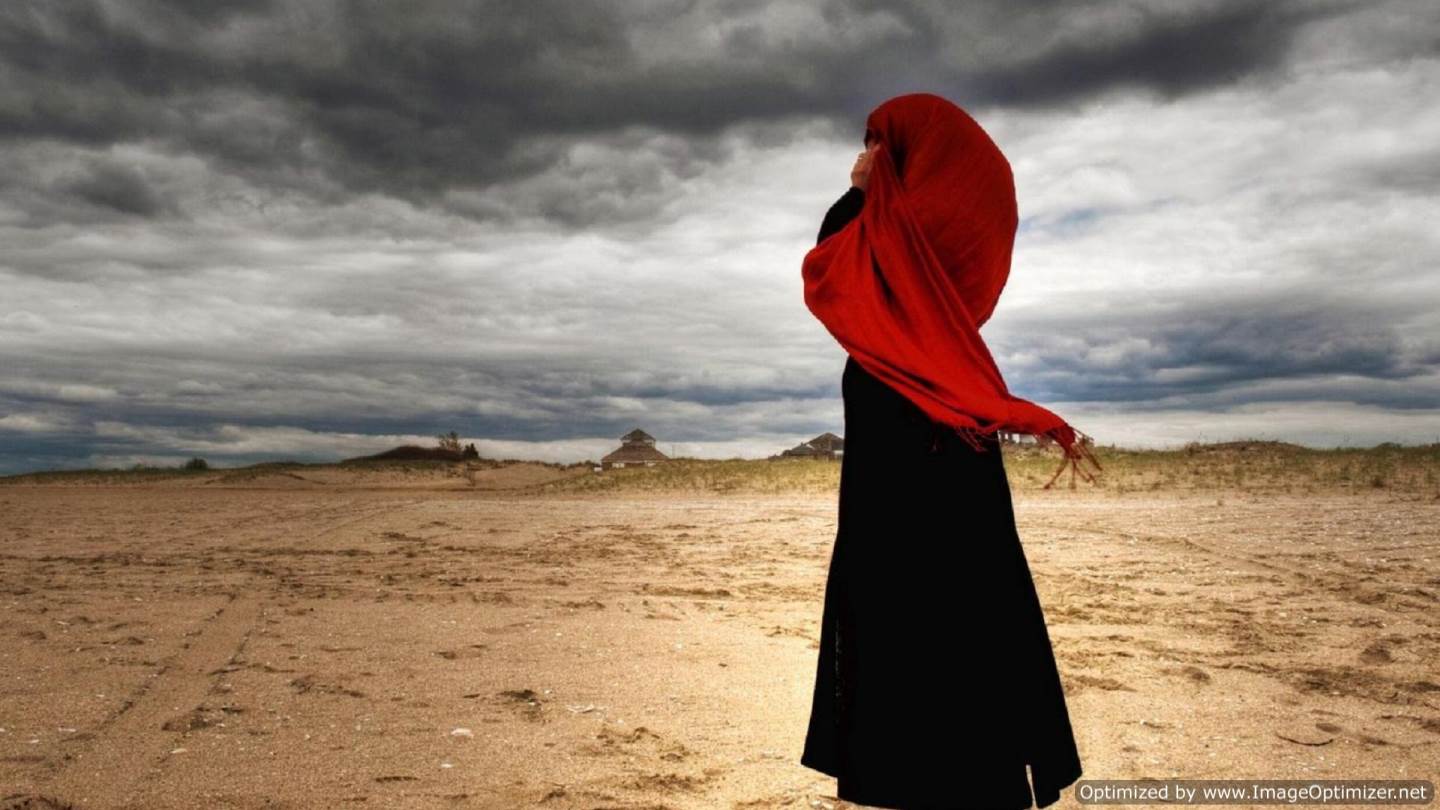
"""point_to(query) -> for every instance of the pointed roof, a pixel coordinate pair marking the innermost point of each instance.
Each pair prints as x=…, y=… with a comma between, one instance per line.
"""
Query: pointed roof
x=635, y=452
x=802, y=449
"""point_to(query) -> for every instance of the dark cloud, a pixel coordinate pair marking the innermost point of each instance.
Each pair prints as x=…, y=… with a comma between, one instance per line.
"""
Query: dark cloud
x=118, y=187
x=410, y=100
x=1216, y=351
x=1172, y=54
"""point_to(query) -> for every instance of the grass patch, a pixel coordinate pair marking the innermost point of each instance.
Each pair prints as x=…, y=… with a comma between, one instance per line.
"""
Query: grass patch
x=1251, y=466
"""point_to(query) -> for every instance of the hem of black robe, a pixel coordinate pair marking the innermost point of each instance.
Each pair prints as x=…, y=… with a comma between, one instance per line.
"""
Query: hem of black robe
x=815, y=762
x=1047, y=791
x=1043, y=793
x=960, y=798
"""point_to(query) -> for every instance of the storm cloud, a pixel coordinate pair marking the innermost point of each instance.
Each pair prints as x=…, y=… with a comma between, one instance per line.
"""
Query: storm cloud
x=253, y=230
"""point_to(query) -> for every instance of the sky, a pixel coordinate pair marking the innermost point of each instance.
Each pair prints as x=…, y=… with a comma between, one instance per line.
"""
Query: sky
x=257, y=231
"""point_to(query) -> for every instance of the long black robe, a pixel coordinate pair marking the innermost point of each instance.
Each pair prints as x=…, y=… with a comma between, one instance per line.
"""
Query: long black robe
x=936, y=682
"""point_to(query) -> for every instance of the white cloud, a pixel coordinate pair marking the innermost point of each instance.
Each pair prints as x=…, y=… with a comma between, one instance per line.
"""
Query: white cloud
x=31, y=423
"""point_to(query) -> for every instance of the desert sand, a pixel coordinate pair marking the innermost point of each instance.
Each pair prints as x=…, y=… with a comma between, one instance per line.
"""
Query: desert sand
x=320, y=639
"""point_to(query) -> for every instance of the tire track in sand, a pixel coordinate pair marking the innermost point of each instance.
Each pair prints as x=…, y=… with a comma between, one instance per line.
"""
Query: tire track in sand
x=134, y=742
x=125, y=748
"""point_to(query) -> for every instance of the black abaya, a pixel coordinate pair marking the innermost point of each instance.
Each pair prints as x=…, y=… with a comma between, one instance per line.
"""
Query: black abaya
x=936, y=682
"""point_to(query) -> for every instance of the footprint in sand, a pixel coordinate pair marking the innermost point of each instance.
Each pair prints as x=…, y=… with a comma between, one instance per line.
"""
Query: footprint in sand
x=1195, y=674
x=472, y=651
x=591, y=603
x=531, y=706
x=610, y=740
x=308, y=683
x=1430, y=724
x=201, y=717
x=668, y=782
x=1079, y=682
x=1380, y=651
x=30, y=801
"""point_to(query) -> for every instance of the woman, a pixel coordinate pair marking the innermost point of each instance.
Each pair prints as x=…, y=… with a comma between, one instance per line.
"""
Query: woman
x=936, y=682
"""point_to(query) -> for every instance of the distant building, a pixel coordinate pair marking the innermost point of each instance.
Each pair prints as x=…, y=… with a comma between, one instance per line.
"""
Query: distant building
x=637, y=448
x=826, y=445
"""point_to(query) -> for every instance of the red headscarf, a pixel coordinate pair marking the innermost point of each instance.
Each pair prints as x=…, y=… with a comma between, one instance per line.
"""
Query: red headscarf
x=939, y=221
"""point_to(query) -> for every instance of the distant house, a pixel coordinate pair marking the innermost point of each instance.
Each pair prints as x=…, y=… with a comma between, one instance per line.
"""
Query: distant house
x=826, y=445
x=1006, y=437
x=637, y=448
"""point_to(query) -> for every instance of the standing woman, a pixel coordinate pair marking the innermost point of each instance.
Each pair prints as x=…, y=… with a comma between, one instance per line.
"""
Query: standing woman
x=936, y=683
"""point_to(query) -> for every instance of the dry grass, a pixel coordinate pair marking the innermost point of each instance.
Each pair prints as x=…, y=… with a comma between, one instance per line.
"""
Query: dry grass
x=1249, y=466
x=1246, y=466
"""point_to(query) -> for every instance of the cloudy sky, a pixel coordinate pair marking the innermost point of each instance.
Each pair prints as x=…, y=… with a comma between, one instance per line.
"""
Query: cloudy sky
x=255, y=230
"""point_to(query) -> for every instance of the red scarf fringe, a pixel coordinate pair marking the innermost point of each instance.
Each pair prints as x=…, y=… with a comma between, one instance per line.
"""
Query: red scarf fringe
x=1074, y=444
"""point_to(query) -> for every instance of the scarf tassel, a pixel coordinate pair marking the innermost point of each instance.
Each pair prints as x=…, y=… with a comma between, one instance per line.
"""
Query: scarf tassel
x=1076, y=449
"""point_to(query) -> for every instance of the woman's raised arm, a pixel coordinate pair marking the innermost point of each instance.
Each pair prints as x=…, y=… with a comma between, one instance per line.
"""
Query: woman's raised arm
x=845, y=209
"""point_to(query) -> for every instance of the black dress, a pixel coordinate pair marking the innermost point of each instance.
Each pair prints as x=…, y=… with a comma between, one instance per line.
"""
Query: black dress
x=936, y=682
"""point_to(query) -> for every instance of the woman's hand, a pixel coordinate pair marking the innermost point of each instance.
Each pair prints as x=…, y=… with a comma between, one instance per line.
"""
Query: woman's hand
x=860, y=173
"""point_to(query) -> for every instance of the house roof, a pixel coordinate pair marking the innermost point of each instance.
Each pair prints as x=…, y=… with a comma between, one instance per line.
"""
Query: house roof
x=803, y=449
x=635, y=452
x=637, y=435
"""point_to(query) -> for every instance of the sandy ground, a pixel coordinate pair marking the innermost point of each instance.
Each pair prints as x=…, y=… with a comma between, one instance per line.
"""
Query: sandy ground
x=300, y=645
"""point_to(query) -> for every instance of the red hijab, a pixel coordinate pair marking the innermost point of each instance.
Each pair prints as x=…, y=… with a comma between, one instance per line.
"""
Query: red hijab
x=939, y=221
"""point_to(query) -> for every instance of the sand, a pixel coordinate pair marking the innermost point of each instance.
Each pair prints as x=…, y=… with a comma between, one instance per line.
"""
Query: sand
x=305, y=641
